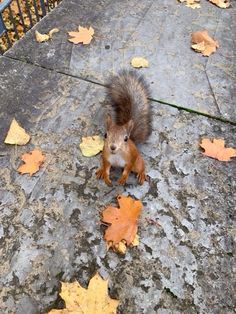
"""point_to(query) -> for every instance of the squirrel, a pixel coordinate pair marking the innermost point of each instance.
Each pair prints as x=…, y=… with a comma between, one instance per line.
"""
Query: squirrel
x=128, y=94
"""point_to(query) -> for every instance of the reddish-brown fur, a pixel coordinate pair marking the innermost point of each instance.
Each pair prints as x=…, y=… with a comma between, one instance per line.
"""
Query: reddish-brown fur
x=128, y=94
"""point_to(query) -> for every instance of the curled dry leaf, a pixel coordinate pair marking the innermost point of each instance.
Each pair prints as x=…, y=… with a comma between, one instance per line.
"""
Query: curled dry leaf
x=121, y=246
x=16, y=134
x=193, y=4
x=203, y=43
x=123, y=220
x=216, y=149
x=53, y=31
x=84, y=35
x=139, y=62
x=91, y=145
x=32, y=162
x=223, y=4
x=41, y=37
x=95, y=299
x=45, y=37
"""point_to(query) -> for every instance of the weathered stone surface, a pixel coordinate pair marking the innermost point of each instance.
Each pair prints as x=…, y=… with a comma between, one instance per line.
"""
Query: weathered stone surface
x=51, y=224
x=159, y=31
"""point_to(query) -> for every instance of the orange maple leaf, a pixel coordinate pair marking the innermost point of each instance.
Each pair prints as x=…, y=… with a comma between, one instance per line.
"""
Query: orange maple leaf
x=216, y=149
x=32, y=162
x=84, y=35
x=123, y=220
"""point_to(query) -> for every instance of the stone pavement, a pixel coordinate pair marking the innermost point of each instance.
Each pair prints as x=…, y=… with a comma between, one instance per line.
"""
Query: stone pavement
x=50, y=230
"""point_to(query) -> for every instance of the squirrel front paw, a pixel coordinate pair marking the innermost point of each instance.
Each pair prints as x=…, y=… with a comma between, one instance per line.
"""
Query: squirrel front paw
x=101, y=174
x=122, y=180
x=141, y=177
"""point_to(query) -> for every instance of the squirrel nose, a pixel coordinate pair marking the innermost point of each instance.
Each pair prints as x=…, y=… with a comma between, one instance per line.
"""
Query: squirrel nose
x=113, y=147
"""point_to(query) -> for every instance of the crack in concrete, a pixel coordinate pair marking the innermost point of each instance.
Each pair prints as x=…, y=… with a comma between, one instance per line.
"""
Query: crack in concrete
x=179, y=107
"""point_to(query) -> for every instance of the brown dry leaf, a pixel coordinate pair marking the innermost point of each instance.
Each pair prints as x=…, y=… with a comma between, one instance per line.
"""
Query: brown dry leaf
x=84, y=35
x=216, y=149
x=193, y=4
x=203, y=43
x=223, y=4
x=32, y=162
x=93, y=300
x=123, y=222
x=16, y=134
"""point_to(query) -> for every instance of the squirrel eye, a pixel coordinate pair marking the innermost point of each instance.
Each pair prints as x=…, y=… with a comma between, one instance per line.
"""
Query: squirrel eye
x=126, y=138
x=105, y=135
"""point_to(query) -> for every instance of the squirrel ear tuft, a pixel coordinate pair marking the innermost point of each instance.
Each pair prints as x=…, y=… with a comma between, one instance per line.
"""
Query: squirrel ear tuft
x=108, y=121
x=129, y=126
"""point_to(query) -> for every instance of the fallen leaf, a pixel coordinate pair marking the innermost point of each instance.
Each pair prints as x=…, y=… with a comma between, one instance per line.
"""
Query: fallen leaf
x=93, y=300
x=41, y=37
x=84, y=35
x=16, y=134
x=53, y=31
x=203, y=43
x=121, y=246
x=193, y=4
x=139, y=62
x=123, y=222
x=32, y=162
x=224, y=4
x=45, y=37
x=216, y=149
x=91, y=145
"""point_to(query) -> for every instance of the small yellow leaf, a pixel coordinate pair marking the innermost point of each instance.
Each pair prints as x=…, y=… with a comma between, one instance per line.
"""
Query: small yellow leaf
x=53, y=31
x=93, y=300
x=223, y=4
x=135, y=241
x=139, y=62
x=41, y=37
x=91, y=145
x=16, y=134
x=193, y=4
x=120, y=247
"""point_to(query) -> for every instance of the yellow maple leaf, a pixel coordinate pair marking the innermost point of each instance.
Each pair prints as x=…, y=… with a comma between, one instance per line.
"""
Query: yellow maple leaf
x=16, y=134
x=139, y=62
x=94, y=300
x=91, y=145
x=84, y=35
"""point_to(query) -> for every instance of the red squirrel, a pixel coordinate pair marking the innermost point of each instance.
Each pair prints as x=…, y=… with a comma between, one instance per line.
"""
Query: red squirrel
x=128, y=94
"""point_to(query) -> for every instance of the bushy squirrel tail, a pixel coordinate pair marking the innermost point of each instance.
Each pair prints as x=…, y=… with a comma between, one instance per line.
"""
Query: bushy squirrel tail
x=128, y=93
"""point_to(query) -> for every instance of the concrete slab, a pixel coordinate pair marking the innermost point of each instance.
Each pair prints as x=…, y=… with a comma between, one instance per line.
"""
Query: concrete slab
x=158, y=31
x=50, y=228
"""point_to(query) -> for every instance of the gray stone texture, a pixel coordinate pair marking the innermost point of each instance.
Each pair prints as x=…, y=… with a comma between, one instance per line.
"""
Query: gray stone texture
x=159, y=31
x=50, y=227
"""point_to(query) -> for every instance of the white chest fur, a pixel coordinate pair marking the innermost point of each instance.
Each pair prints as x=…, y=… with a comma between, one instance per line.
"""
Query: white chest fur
x=116, y=160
